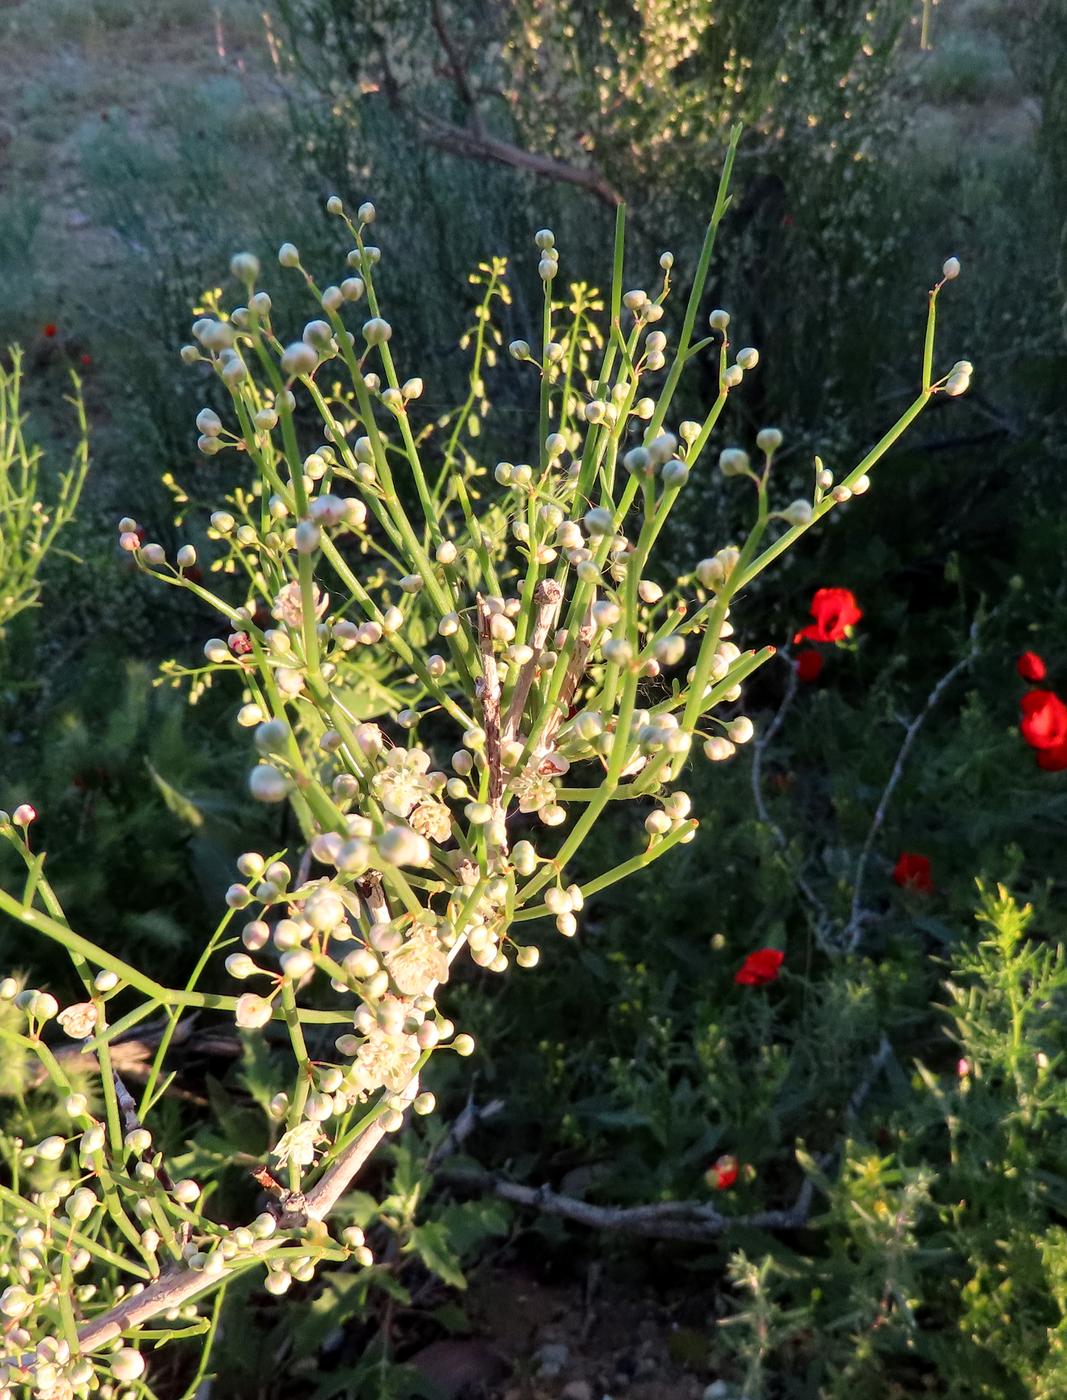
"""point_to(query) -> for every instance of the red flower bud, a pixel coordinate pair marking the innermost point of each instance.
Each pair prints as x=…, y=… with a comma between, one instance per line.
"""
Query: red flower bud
x=1031, y=667
x=49, y=330
x=809, y=666
x=759, y=968
x=723, y=1173
x=912, y=872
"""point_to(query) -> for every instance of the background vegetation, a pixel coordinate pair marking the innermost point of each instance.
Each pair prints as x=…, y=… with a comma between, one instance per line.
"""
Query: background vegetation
x=894, y=1095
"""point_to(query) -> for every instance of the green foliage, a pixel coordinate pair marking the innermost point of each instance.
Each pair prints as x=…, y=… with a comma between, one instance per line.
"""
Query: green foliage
x=29, y=524
x=145, y=830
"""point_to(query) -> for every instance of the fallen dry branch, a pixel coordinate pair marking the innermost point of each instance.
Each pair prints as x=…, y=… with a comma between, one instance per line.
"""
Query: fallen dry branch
x=664, y=1220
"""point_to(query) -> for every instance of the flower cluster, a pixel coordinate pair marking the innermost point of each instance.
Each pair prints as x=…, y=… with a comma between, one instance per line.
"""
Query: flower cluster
x=536, y=663
x=1044, y=716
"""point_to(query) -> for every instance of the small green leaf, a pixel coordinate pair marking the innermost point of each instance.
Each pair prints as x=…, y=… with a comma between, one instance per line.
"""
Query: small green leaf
x=181, y=806
x=431, y=1243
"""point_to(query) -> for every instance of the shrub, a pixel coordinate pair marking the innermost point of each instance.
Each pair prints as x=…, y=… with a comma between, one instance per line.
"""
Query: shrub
x=568, y=680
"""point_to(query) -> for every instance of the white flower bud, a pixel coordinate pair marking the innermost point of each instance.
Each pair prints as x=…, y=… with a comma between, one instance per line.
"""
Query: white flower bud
x=669, y=651
x=662, y=448
x=598, y=522
x=733, y=461
x=675, y=474
x=289, y=255
x=769, y=440
x=153, y=555
x=618, y=651
x=798, y=513
x=51, y=1149
x=127, y=1364
x=366, y=213
x=240, y=965
x=245, y=266
x=255, y=935
x=308, y=537
x=267, y=784
x=719, y=320
x=399, y=845
x=951, y=269
x=740, y=729
x=376, y=331
x=718, y=749
x=957, y=384
x=547, y=269
x=638, y=460
x=299, y=358
x=92, y=1140
x=15, y=1302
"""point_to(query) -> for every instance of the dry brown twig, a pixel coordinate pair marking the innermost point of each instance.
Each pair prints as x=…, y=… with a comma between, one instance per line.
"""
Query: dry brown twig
x=663, y=1220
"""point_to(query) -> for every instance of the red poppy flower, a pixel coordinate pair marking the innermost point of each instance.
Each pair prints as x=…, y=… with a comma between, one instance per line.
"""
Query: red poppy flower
x=1044, y=721
x=835, y=610
x=723, y=1173
x=1031, y=667
x=759, y=968
x=1053, y=760
x=809, y=666
x=912, y=872
x=49, y=330
x=86, y=359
